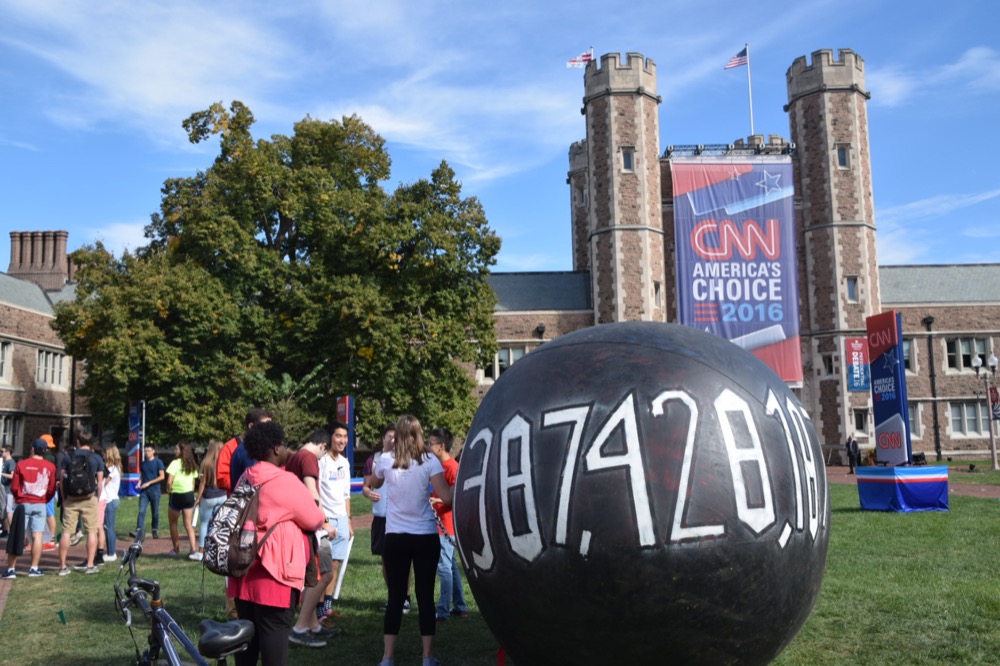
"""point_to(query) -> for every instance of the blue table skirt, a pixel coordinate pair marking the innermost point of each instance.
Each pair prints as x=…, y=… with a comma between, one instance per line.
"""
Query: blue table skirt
x=903, y=489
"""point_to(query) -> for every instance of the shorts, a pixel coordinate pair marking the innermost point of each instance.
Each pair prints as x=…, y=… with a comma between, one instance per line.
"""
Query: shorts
x=378, y=535
x=181, y=501
x=74, y=509
x=34, y=517
x=9, y=503
x=50, y=508
x=320, y=562
x=339, y=543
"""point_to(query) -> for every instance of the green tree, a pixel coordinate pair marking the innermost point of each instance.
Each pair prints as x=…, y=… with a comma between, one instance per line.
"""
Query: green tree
x=292, y=256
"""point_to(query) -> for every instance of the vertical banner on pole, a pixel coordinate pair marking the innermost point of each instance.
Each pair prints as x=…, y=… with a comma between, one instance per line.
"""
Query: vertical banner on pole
x=737, y=270
x=133, y=450
x=858, y=377
x=345, y=414
x=892, y=420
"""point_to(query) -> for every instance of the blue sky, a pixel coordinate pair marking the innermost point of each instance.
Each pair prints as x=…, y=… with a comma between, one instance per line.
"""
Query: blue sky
x=94, y=93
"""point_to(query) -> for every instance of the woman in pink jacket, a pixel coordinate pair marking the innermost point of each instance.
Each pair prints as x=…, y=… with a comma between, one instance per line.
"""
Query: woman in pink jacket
x=268, y=594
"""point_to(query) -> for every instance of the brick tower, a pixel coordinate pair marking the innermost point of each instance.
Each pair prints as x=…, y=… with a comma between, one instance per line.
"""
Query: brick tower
x=838, y=272
x=615, y=184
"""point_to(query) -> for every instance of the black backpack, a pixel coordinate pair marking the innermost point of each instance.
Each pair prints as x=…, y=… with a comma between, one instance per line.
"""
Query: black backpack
x=80, y=479
x=231, y=543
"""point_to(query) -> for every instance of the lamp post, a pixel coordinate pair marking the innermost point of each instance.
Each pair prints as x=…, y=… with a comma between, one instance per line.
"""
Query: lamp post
x=977, y=363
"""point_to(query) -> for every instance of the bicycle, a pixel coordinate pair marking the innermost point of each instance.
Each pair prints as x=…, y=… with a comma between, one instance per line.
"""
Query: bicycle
x=218, y=640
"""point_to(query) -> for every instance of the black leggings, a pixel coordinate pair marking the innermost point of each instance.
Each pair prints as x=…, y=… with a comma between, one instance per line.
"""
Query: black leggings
x=271, y=628
x=422, y=551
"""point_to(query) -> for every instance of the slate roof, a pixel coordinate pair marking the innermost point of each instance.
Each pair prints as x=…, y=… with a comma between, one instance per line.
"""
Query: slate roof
x=522, y=292
x=24, y=295
x=945, y=284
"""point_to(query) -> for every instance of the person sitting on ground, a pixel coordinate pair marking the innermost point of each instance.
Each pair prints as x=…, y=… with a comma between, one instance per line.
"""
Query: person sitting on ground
x=269, y=592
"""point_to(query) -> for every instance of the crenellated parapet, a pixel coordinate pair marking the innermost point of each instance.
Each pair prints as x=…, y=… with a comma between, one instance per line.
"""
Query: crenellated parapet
x=636, y=75
x=826, y=74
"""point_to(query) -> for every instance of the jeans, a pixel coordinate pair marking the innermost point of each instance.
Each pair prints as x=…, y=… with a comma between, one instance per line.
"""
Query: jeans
x=449, y=571
x=149, y=497
x=110, y=512
x=206, y=511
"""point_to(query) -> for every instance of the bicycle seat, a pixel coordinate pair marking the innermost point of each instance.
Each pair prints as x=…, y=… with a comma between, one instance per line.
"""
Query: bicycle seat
x=221, y=639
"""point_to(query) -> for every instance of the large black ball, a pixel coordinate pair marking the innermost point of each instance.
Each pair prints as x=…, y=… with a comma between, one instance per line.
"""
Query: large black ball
x=642, y=493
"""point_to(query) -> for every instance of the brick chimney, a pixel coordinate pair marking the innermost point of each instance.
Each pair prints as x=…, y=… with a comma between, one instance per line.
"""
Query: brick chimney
x=40, y=257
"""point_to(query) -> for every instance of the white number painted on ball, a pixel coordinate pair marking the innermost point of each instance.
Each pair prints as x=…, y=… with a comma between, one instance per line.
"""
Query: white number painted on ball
x=751, y=479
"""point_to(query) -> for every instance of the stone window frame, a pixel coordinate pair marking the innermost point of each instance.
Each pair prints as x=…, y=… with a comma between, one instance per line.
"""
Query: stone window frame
x=11, y=427
x=909, y=356
x=50, y=369
x=981, y=416
x=628, y=158
x=958, y=352
x=860, y=419
x=852, y=284
x=828, y=363
x=842, y=155
x=914, y=409
x=514, y=352
x=6, y=361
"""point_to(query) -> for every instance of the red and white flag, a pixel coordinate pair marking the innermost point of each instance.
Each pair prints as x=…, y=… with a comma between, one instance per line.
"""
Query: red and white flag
x=581, y=60
x=737, y=60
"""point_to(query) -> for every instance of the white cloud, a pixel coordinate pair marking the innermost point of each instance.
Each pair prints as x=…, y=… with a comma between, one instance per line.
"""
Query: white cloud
x=975, y=71
x=120, y=236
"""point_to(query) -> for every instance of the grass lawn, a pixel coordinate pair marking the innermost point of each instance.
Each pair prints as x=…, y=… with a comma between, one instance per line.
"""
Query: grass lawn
x=912, y=589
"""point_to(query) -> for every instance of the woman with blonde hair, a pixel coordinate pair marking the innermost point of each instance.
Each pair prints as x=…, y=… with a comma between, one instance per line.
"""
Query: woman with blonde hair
x=182, y=473
x=411, y=533
x=107, y=507
x=210, y=496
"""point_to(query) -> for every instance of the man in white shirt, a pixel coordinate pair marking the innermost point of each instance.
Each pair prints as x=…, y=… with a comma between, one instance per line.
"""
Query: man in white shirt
x=335, y=500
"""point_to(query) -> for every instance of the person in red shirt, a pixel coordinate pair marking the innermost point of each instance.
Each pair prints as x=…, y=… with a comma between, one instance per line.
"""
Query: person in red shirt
x=451, y=602
x=33, y=485
x=223, y=468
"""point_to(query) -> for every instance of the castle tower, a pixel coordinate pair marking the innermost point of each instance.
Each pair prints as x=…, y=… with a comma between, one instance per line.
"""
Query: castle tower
x=838, y=271
x=615, y=180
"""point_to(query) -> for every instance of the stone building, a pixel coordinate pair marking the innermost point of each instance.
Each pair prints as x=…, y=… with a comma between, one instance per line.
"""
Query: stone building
x=622, y=235
x=38, y=380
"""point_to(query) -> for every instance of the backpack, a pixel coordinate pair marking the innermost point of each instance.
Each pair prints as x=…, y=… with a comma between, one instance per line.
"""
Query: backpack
x=80, y=480
x=231, y=543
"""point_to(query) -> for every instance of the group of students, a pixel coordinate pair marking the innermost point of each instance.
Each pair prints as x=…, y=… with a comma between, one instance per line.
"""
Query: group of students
x=86, y=484
x=304, y=511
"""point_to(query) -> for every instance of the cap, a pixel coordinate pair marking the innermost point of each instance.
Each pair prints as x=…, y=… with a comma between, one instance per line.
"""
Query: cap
x=40, y=445
x=48, y=440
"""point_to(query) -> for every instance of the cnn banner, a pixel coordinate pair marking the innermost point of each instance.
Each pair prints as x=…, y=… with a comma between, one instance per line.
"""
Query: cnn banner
x=892, y=420
x=734, y=222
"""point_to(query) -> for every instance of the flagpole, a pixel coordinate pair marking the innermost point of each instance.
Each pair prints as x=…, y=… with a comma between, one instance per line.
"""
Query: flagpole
x=749, y=88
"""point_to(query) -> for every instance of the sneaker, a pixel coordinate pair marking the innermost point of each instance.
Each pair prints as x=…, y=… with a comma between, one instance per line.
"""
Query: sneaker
x=155, y=535
x=406, y=605
x=110, y=557
x=196, y=556
x=3, y=534
x=75, y=539
x=82, y=566
x=305, y=639
x=171, y=553
x=459, y=613
x=132, y=534
x=51, y=545
x=35, y=573
x=326, y=632
x=91, y=570
x=64, y=571
x=9, y=575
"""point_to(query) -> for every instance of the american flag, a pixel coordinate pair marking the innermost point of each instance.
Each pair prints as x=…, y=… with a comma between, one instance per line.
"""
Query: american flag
x=737, y=60
x=581, y=60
